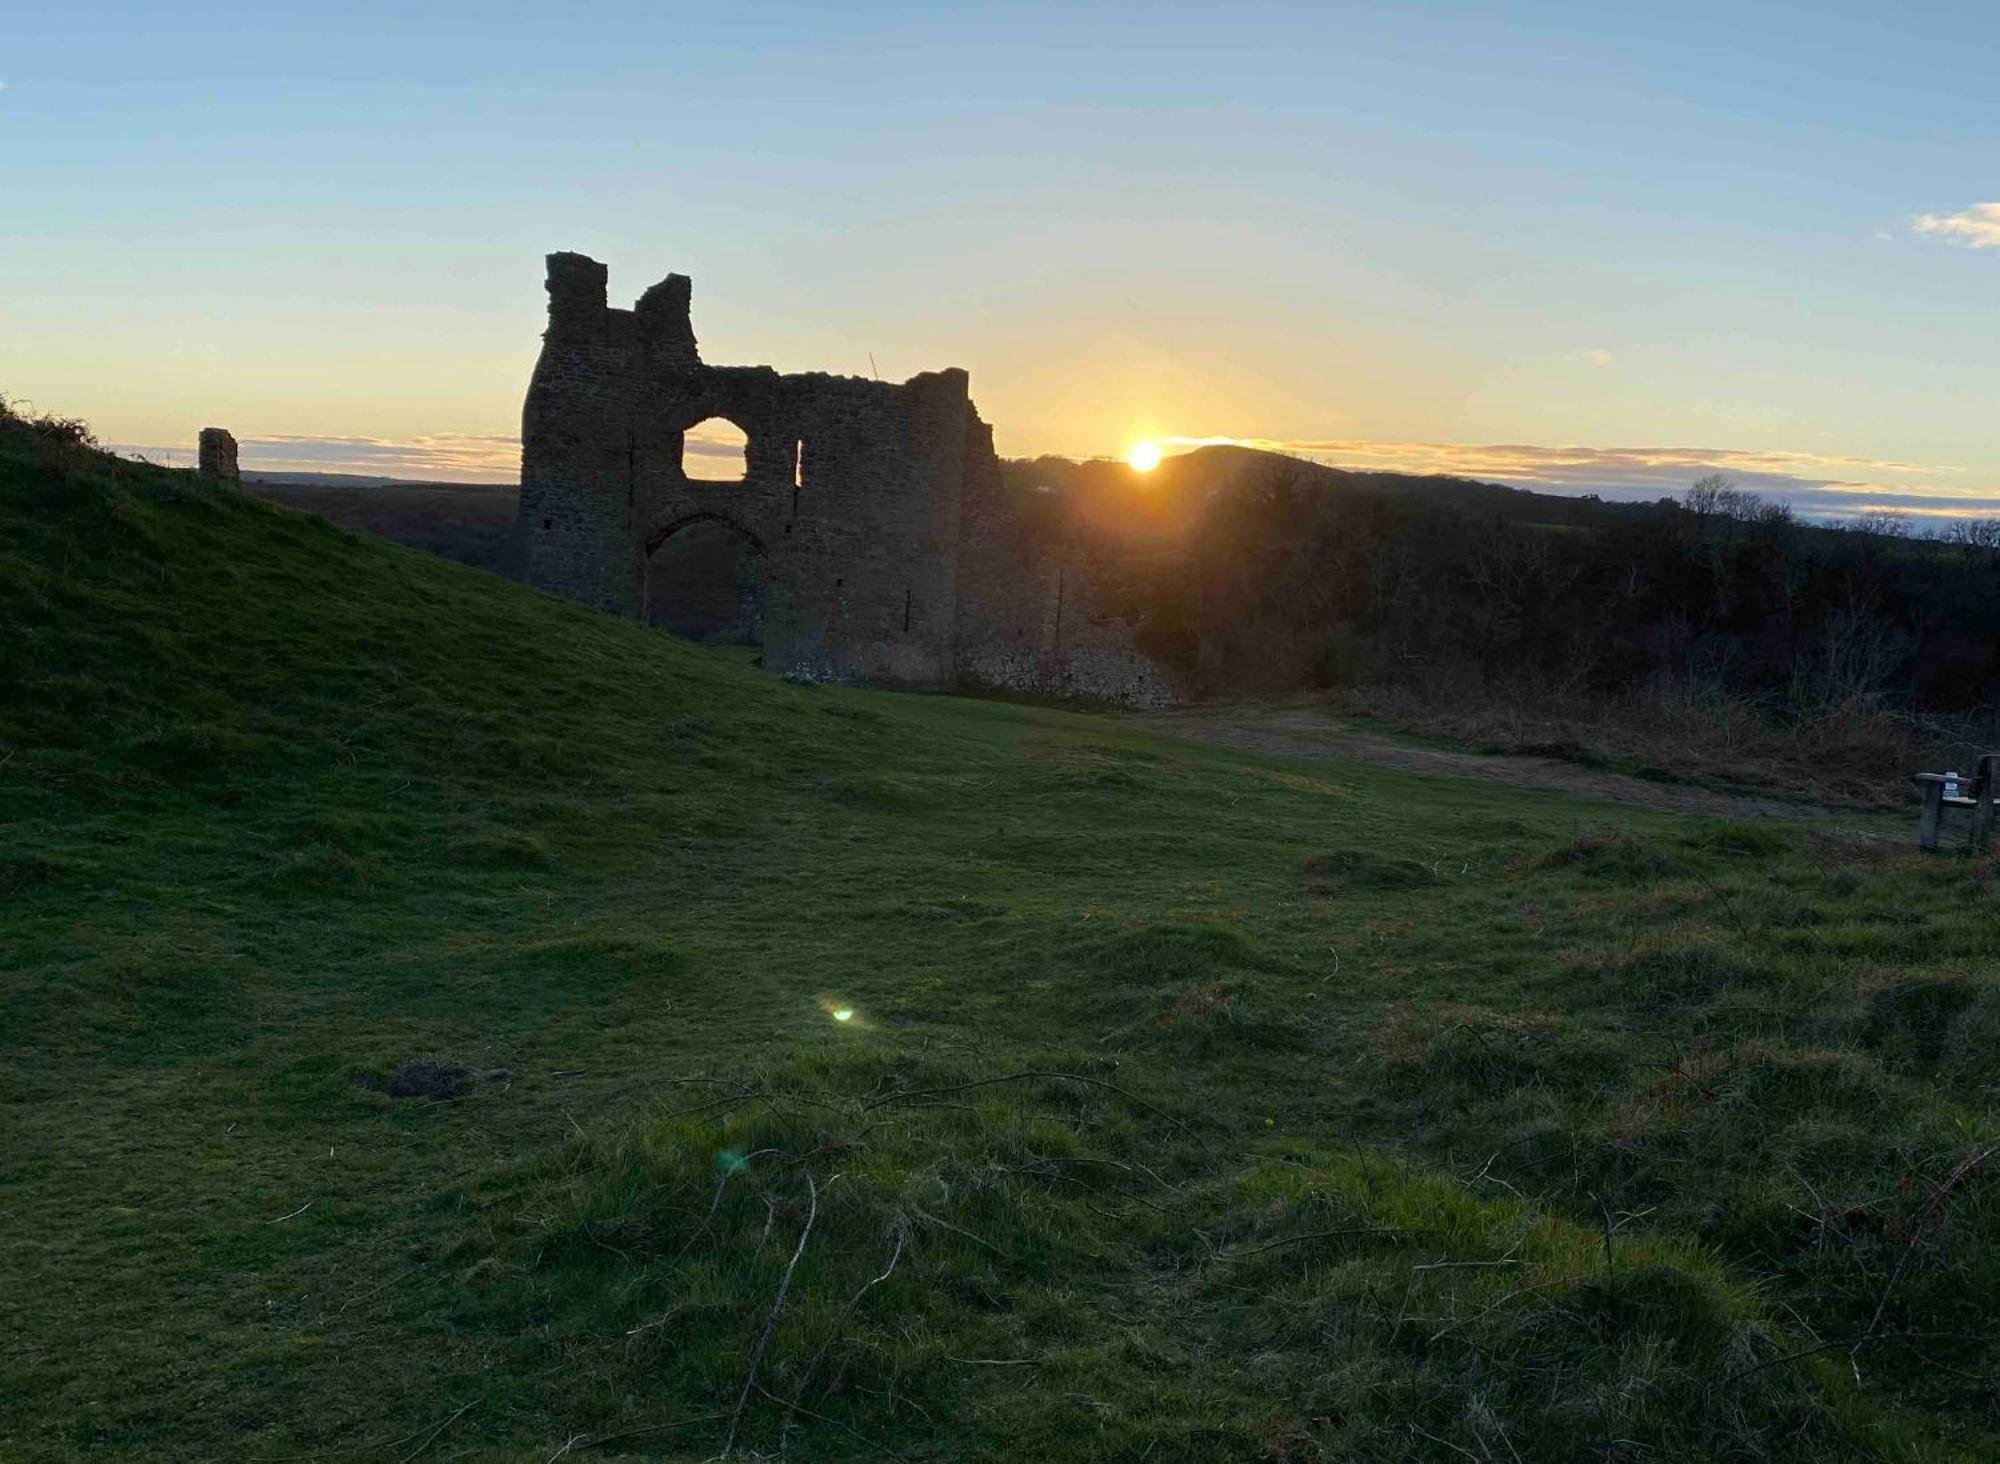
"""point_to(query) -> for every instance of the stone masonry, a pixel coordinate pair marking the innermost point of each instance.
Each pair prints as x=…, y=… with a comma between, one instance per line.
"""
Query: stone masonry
x=217, y=454
x=889, y=555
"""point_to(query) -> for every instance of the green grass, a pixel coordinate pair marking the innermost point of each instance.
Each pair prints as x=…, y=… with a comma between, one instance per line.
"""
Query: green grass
x=1189, y=1104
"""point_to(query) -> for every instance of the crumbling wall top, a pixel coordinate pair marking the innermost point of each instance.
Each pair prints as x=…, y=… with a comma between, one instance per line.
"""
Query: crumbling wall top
x=664, y=322
x=576, y=283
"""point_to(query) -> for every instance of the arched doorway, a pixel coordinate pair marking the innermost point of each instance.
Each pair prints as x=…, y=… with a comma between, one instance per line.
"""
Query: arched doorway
x=705, y=582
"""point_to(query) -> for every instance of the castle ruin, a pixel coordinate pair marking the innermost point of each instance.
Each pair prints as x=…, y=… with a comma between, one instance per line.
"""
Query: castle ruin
x=870, y=538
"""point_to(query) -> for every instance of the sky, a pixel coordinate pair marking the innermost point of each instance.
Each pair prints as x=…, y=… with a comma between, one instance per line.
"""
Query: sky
x=1583, y=246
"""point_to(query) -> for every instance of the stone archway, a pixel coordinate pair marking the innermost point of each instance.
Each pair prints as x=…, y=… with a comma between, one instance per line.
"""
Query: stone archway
x=706, y=580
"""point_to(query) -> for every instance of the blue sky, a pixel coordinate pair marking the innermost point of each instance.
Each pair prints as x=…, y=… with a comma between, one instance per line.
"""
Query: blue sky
x=1566, y=244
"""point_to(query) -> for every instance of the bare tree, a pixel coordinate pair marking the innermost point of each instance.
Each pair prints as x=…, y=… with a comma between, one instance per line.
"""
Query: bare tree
x=1887, y=522
x=1705, y=496
x=1977, y=539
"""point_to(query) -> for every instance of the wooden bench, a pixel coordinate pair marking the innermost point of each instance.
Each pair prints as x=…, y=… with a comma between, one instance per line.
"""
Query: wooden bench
x=1979, y=799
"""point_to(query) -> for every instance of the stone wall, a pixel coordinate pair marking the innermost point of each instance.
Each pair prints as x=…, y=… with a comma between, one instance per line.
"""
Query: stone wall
x=1028, y=618
x=876, y=507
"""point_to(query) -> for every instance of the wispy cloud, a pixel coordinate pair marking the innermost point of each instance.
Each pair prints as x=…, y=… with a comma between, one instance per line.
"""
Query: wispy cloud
x=443, y=457
x=1976, y=227
x=439, y=457
x=1598, y=356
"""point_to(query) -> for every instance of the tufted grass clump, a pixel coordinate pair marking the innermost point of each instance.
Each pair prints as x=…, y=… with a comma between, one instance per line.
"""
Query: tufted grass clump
x=1039, y=1237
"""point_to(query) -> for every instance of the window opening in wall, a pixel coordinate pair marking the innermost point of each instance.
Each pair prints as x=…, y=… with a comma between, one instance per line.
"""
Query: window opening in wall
x=906, y=609
x=799, y=463
x=716, y=451
x=548, y=523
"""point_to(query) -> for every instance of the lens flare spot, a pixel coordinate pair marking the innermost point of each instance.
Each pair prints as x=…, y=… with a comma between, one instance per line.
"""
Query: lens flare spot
x=842, y=1012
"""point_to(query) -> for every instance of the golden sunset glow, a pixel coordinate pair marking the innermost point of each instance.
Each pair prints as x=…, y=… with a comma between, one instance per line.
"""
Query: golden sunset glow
x=1143, y=456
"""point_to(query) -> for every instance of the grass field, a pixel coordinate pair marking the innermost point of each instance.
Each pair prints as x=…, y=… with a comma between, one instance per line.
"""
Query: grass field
x=852, y=1075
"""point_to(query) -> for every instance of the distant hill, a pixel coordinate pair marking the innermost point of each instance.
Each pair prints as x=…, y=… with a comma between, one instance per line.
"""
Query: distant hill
x=1248, y=570
x=361, y=480
x=469, y=522
x=1172, y=497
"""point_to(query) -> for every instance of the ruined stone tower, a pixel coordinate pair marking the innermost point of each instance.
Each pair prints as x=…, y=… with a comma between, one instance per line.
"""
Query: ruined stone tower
x=872, y=509
x=217, y=454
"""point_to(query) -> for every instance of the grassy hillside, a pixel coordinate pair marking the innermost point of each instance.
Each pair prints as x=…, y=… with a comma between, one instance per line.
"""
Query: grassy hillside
x=439, y=1021
x=469, y=522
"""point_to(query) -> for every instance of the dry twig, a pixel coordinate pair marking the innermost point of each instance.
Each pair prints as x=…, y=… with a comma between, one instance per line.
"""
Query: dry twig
x=777, y=1310
x=847, y=1311
x=1938, y=1196
x=1312, y=1235
x=431, y=1437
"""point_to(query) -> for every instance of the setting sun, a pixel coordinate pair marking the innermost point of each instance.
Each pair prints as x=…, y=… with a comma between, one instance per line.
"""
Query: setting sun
x=1143, y=456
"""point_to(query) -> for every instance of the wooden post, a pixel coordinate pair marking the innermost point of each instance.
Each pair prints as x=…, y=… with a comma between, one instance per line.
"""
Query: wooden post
x=1927, y=826
x=1982, y=793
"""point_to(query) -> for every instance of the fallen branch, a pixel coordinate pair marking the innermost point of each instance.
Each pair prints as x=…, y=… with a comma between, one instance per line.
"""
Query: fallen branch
x=1132, y=1168
x=995, y=1361
x=431, y=1437
x=947, y=1225
x=1461, y=1265
x=651, y=1428
x=777, y=1310
x=852, y=1433
x=1517, y=1291
x=1937, y=1197
x=374, y=1290
x=716, y=1203
x=1906, y=1338
x=1446, y=1442
x=847, y=1311
x=1311, y=1235
x=1742, y=1373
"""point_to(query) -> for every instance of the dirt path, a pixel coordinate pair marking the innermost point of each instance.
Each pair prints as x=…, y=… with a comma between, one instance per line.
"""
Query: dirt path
x=1309, y=731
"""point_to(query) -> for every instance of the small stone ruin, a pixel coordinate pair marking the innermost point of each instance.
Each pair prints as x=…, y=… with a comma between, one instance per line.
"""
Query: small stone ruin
x=218, y=454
